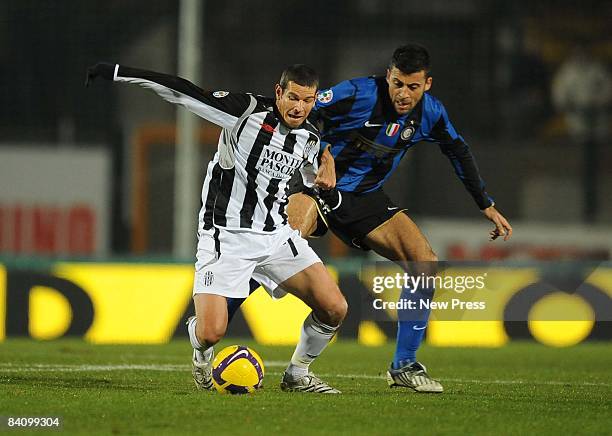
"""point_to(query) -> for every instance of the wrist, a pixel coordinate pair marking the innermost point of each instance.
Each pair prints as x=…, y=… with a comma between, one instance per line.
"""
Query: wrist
x=486, y=208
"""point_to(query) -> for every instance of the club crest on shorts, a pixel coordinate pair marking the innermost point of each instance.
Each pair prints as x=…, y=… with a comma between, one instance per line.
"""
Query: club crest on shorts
x=325, y=96
x=208, y=278
x=407, y=133
x=220, y=94
x=392, y=129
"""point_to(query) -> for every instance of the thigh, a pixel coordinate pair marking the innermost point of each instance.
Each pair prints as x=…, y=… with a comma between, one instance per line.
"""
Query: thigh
x=399, y=239
x=298, y=270
x=302, y=214
x=315, y=287
x=358, y=214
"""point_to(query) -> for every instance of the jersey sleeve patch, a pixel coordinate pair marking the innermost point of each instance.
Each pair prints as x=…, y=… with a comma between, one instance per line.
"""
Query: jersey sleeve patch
x=325, y=96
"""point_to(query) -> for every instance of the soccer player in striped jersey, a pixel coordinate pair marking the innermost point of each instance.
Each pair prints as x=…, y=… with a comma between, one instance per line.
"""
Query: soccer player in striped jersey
x=243, y=230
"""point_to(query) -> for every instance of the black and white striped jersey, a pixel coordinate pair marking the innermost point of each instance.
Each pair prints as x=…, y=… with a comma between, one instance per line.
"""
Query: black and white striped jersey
x=247, y=181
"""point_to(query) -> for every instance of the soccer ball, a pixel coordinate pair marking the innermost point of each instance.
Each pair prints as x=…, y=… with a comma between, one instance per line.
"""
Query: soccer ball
x=237, y=370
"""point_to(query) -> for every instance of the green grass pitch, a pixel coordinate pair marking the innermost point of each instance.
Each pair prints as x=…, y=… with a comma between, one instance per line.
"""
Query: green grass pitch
x=523, y=388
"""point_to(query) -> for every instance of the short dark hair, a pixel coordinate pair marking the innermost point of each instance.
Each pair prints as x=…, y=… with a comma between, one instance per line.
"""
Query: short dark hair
x=410, y=58
x=300, y=74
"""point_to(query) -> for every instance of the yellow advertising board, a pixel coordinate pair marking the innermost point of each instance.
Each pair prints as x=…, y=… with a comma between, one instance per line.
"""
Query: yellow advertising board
x=147, y=303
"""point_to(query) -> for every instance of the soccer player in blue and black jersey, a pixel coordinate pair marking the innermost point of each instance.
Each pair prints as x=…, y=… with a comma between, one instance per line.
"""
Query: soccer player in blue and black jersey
x=370, y=124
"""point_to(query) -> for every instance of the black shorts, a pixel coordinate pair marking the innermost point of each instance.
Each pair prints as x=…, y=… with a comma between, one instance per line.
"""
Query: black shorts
x=352, y=216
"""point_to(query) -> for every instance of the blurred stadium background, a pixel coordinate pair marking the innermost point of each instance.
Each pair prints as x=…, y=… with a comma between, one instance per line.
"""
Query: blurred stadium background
x=87, y=176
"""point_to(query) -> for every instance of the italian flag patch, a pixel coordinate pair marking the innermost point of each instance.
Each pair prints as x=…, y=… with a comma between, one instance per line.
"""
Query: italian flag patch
x=392, y=129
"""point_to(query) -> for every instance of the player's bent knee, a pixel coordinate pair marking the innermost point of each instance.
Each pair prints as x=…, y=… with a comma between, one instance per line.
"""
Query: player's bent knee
x=341, y=310
x=424, y=263
x=431, y=264
x=335, y=312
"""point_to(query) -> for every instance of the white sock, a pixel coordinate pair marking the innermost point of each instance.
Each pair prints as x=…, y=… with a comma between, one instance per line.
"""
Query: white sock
x=202, y=353
x=313, y=339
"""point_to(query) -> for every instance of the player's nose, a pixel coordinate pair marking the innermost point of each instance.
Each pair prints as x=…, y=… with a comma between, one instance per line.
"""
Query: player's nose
x=403, y=92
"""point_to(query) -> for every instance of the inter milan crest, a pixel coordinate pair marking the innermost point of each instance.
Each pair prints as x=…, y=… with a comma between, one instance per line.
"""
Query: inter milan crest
x=407, y=133
x=392, y=129
x=325, y=96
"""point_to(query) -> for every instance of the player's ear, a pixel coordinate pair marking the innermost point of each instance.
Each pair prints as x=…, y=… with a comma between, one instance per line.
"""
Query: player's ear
x=388, y=74
x=278, y=91
x=428, y=83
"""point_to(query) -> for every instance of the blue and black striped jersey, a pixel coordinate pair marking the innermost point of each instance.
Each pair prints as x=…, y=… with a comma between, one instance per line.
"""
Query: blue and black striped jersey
x=368, y=138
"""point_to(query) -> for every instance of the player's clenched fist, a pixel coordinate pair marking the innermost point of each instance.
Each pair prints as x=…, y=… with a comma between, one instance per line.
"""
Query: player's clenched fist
x=326, y=176
x=102, y=69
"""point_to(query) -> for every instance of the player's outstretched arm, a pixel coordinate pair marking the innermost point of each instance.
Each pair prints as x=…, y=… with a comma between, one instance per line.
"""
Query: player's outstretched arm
x=221, y=107
x=326, y=175
x=502, y=227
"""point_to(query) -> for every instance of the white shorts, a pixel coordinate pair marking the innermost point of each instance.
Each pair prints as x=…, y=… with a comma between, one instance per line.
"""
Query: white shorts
x=227, y=259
